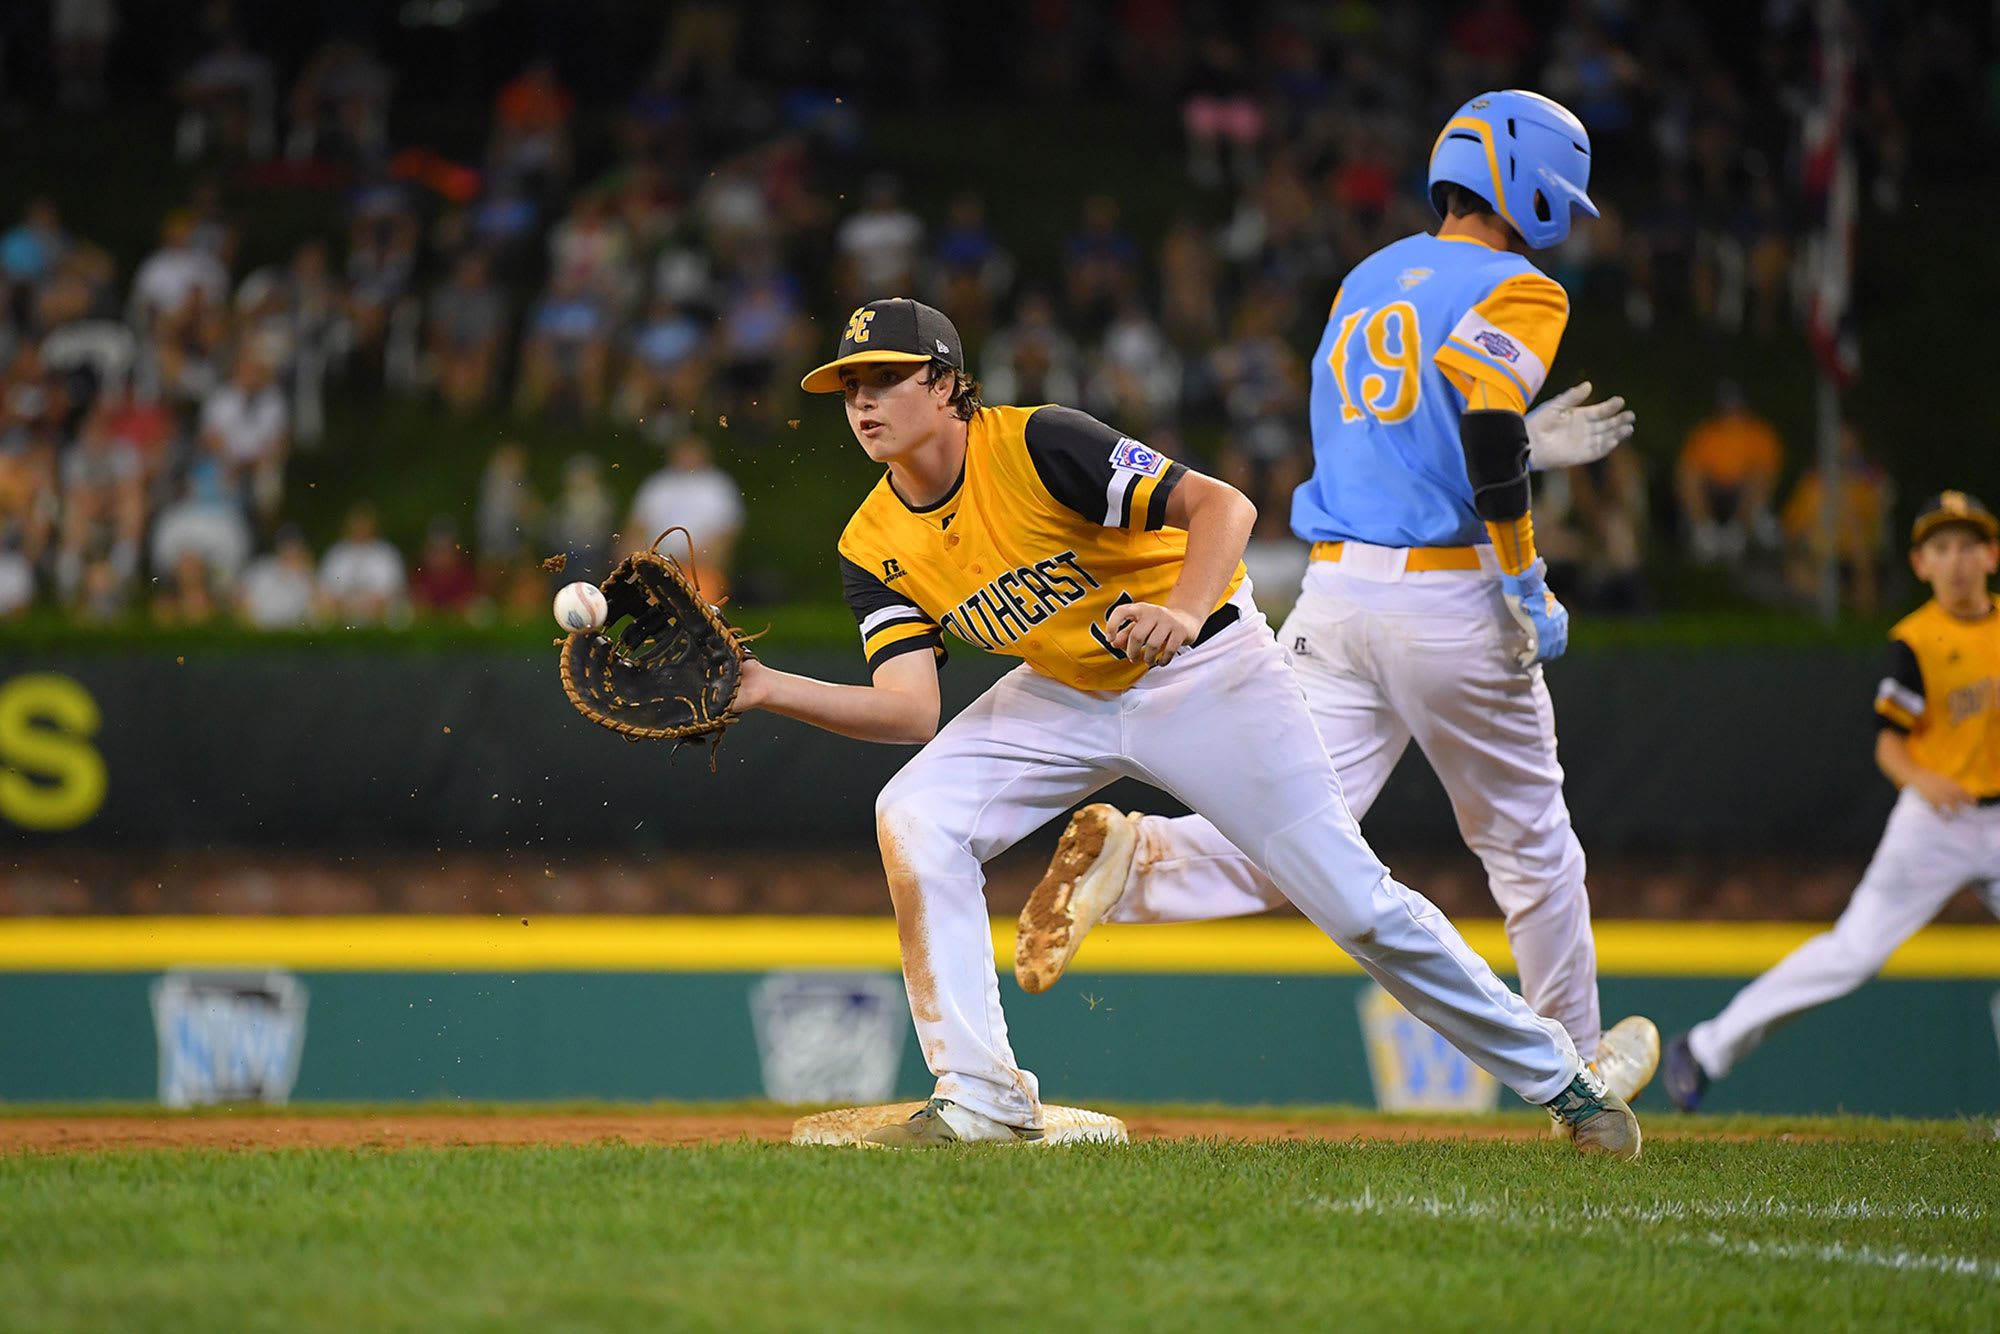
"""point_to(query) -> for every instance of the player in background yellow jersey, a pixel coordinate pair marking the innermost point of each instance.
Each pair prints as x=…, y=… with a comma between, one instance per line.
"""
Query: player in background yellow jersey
x=1939, y=741
x=1116, y=575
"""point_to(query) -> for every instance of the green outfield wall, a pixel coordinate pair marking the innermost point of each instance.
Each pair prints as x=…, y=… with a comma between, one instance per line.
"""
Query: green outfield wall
x=1262, y=1012
x=1730, y=749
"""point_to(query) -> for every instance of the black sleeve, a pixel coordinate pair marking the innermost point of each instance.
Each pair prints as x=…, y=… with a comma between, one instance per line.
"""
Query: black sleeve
x=1099, y=474
x=890, y=623
x=1899, y=699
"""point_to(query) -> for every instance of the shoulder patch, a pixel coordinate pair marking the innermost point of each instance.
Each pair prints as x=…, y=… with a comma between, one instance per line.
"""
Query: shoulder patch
x=1498, y=344
x=1135, y=457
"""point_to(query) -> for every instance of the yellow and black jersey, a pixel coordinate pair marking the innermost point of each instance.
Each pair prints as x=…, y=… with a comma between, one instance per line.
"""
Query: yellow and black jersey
x=1944, y=673
x=1056, y=520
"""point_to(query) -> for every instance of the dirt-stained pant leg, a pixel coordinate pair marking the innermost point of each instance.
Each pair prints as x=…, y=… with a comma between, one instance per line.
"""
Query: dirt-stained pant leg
x=1428, y=656
x=1013, y=760
x=1184, y=870
x=1272, y=788
x=1924, y=858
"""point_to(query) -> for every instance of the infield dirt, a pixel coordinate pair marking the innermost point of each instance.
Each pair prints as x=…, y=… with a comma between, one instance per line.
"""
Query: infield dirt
x=426, y=1129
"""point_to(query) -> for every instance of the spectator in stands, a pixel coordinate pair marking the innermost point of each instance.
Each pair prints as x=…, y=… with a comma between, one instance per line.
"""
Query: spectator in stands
x=178, y=308
x=246, y=428
x=503, y=222
x=732, y=210
x=280, y=591
x=213, y=229
x=591, y=245
x=580, y=521
x=103, y=505
x=230, y=98
x=668, y=370
x=81, y=32
x=1610, y=499
x=1032, y=360
x=1136, y=380
x=361, y=576
x=762, y=335
x=1262, y=386
x=970, y=270
x=1726, y=478
x=509, y=512
x=199, y=546
x=564, y=351
x=33, y=248
x=1221, y=115
x=17, y=581
x=445, y=584
x=878, y=246
x=531, y=137
x=140, y=424
x=1189, y=283
x=293, y=316
x=382, y=239
x=341, y=95
x=1861, y=527
x=35, y=406
x=691, y=492
x=468, y=326
x=1100, y=263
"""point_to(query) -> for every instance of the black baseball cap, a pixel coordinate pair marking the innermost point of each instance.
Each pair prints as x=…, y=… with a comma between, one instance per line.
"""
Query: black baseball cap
x=1949, y=507
x=893, y=329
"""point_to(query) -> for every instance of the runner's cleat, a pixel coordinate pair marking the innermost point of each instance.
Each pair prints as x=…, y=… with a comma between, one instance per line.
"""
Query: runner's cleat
x=1086, y=876
x=1681, y=1074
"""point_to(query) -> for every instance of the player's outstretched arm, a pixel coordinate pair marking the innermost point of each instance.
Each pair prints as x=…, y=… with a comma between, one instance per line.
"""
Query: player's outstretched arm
x=1899, y=766
x=1218, y=519
x=901, y=707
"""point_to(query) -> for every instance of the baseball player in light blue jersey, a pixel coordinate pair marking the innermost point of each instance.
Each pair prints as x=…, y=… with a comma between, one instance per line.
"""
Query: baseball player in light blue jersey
x=1425, y=614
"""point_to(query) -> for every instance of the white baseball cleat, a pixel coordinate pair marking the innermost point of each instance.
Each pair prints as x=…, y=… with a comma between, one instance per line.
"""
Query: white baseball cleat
x=1627, y=1056
x=1085, y=877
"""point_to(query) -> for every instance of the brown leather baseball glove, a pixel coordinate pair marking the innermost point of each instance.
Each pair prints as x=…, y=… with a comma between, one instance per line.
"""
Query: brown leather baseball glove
x=672, y=670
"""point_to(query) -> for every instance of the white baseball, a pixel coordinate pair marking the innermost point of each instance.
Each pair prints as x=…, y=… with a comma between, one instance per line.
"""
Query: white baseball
x=580, y=608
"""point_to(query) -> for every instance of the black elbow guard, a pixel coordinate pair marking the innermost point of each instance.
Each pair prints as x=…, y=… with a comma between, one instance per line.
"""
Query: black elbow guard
x=1496, y=463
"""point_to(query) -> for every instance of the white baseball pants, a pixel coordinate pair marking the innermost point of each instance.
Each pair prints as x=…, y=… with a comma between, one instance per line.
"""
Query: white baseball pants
x=1924, y=858
x=1224, y=728
x=1384, y=655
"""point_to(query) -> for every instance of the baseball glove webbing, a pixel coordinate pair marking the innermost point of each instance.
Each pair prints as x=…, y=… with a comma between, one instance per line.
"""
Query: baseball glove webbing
x=672, y=672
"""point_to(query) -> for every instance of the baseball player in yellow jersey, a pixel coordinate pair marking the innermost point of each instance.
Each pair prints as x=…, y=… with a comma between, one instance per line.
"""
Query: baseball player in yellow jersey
x=1938, y=710
x=1116, y=576
x=1424, y=615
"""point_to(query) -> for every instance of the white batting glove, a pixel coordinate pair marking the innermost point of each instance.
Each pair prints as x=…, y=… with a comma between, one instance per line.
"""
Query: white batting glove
x=1566, y=431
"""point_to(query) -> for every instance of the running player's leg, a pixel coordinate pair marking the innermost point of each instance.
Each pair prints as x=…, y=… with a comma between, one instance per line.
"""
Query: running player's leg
x=1227, y=732
x=1921, y=862
x=1184, y=870
x=1488, y=730
x=995, y=773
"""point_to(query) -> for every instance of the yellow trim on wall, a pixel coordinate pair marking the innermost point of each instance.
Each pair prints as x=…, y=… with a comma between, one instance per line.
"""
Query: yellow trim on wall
x=1256, y=946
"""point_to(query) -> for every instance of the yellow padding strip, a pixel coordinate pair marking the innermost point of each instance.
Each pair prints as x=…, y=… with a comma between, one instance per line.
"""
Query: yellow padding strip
x=754, y=944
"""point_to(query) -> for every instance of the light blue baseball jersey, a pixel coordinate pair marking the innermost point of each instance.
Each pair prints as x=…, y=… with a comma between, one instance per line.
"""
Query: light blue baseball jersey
x=1419, y=327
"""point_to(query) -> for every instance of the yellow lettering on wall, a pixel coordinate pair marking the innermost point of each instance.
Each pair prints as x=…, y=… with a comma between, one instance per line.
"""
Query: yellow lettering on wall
x=51, y=777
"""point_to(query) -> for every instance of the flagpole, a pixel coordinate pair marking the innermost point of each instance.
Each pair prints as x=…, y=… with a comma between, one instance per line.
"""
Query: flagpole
x=1830, y=173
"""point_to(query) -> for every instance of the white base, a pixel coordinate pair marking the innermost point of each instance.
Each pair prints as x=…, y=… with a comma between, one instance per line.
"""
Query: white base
x=1060, y=1125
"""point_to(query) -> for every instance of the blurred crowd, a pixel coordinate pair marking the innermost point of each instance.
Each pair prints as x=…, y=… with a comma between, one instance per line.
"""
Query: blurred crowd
x=663, y=279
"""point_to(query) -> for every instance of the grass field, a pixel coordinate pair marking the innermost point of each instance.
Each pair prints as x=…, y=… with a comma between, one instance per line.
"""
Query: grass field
x=1796, y=1224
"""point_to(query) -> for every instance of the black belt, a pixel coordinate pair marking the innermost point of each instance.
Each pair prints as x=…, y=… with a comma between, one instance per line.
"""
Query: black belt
x=1993, y=800
x=1227, y=615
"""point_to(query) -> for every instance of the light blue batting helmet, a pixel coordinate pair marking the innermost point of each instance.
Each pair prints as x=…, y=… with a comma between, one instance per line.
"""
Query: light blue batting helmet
x=1521, y=152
